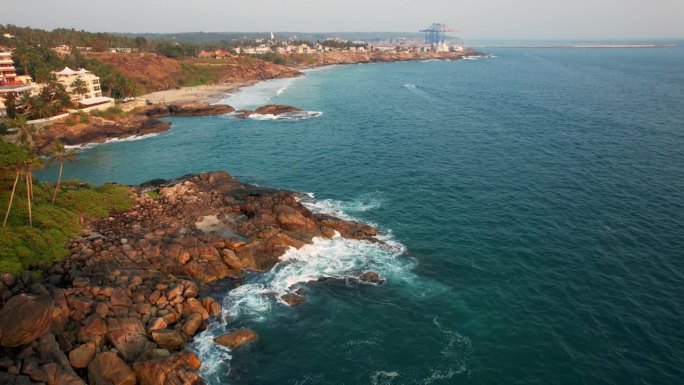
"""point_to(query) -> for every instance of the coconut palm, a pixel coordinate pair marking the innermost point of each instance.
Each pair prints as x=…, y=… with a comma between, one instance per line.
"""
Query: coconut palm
x=79, y=87
x=32, y=160
x=13, y=158
x=61, y=154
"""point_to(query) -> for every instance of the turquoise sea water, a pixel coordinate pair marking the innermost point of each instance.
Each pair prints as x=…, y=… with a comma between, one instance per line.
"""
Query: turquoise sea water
x=534, y=206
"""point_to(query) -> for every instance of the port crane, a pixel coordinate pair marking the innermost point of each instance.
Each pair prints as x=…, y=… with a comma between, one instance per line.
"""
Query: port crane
x=436, y=33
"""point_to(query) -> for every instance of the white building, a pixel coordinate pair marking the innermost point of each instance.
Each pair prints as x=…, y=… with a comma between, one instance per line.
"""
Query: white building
x=67, y=76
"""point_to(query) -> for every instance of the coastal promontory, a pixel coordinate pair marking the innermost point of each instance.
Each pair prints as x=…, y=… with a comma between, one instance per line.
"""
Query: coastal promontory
x=121, y=306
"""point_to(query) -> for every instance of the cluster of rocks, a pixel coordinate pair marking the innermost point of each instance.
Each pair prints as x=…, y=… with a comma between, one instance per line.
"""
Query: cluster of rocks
x=120, y=308
x=269, y=109
x=184, y=109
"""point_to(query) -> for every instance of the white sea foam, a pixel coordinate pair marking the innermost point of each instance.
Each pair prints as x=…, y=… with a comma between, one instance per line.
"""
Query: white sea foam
x=301, y=115
x=340, y=209
x=382, y=377
x=338, y=258
x=112, y=140
x=409, y=85
x=259, y=94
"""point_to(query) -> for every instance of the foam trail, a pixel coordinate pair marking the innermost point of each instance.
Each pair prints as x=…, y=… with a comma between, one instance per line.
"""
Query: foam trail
x=287, y=116
x=340, y=258
x=112, y=140
x=259, y=94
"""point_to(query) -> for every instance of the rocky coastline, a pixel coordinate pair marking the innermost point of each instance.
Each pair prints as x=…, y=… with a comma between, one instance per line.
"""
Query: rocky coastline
x=121, y=307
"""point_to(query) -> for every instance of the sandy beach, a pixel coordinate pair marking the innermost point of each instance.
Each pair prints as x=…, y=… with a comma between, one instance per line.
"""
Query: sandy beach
x=211, y=93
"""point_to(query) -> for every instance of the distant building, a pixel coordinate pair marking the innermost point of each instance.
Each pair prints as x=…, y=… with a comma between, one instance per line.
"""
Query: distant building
x=67, y=76
x=8, y=73
x=10, y=83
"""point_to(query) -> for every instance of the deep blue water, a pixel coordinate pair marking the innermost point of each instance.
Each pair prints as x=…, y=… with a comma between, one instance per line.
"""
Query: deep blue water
x=534, y=205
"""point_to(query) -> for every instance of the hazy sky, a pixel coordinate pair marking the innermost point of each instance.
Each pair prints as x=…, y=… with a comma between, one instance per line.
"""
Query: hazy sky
x=543, y=19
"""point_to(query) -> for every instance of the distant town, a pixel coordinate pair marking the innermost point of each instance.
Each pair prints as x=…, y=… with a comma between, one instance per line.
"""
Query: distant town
x=70, y=85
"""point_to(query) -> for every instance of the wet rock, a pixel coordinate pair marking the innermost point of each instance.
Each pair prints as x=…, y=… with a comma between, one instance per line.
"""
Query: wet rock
x=292, y=299
x=24, y=318
x=236, y=339
x=371, y=277
x=192, y=324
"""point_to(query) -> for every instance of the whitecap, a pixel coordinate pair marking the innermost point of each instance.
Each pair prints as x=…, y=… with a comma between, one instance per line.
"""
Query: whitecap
x=259, y=94
x=382, y=377
x=111, y=140
x=300, y=115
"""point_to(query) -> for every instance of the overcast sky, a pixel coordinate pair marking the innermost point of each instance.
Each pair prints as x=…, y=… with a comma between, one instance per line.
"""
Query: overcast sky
x=544, y=19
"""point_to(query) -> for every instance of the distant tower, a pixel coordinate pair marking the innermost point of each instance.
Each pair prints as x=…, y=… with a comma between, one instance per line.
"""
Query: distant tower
x=272, y=37
x=436, y=33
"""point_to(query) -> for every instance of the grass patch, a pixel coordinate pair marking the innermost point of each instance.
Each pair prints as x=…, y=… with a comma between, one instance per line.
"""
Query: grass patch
x=23, y=247
x=197, y=75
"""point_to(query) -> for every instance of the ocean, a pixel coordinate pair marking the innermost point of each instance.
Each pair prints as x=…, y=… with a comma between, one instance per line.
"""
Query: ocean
x=532, y=205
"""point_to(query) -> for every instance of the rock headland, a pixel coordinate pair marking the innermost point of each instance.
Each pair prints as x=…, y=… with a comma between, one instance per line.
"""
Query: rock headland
x=120, y=308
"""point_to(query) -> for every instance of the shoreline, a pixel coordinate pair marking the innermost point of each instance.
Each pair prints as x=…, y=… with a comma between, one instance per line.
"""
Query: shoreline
x=214, y=93
x=129, y=297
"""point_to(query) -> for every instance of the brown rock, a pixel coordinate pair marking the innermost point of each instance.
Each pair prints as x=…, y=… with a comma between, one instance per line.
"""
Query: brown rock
x=194, y=306
x=108, y=369
x=292, y=299
x=236, y=339
x=371, y=277
x=180, y=368
x=80, y=357
x=24, y=318
x=127, y=336
x=192, y=324
x=168, y=339
x=157, y=323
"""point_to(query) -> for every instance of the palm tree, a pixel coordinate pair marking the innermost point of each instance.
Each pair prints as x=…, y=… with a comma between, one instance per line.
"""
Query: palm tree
x=12, y=157
x=79, y=87
x=27, y=134
x=61, y=154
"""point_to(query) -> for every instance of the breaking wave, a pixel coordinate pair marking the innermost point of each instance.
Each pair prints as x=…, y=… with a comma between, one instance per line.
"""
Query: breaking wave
x=112, y=140
x=337, y=258
x=288, y=116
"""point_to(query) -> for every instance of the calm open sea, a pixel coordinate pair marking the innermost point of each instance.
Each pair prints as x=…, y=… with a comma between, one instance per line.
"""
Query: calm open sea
x=533, y=205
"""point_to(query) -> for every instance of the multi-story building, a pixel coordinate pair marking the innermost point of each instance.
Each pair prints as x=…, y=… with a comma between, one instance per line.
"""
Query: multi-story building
x=92, y=89
x=8, y=73
x=10, y=83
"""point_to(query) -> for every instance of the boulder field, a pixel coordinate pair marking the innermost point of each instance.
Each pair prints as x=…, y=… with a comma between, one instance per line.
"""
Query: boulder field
x=120, y=308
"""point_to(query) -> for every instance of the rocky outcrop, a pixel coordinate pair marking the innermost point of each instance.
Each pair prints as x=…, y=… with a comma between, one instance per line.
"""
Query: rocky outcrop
x=371, y=277
x=236, y=339
x=99, y=130
x=125, y=301
x=185, y=109
x=269, y=109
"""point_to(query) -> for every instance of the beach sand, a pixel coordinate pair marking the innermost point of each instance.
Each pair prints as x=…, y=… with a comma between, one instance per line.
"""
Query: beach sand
x=212, y=93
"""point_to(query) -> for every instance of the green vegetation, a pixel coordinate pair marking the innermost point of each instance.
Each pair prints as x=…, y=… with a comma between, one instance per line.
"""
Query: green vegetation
x=109, y=113
x=342, y=44
x=63, y=36
x=272, y=57
x=27, y=244
x=196, y=75
x=40, y=61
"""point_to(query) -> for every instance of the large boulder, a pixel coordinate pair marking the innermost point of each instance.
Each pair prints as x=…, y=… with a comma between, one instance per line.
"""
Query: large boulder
x=180, y=368
x=108, y=369
x=24, y=318
x=127, y=335
x=236, y=339
x=168, y=339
